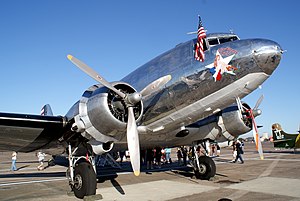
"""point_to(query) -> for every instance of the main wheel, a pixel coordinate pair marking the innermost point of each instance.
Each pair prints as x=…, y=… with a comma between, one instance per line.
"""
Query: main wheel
x=85, y=180
x=207, y=168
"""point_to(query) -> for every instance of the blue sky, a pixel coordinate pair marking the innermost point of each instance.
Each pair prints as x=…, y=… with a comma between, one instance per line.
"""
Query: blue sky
x=115, y=37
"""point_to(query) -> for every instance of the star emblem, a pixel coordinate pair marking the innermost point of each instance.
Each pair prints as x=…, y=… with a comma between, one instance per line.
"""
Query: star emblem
x=221, y=66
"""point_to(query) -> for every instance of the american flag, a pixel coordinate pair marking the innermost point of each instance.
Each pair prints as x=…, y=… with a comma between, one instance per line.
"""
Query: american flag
x=199, y=52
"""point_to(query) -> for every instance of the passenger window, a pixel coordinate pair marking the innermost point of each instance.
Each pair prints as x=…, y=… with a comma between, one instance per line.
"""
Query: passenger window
x=233, y=38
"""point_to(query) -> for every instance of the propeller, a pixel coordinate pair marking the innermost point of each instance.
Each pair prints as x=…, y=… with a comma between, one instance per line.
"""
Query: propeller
x=258, y=102
x=93, y=74
x=256, y=136
x=252, y=114
x=130, y=101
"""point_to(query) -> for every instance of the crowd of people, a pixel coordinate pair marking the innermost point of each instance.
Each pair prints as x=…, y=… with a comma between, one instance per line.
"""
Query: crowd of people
x=159, y=156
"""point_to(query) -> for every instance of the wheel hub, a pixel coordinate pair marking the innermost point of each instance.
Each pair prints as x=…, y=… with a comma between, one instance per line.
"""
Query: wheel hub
x=202, y=168
x=77, y=182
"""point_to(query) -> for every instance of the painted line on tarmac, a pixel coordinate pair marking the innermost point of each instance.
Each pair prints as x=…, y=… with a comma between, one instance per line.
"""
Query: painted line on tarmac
x=31, y=182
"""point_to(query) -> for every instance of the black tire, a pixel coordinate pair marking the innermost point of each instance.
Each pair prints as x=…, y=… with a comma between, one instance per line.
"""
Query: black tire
x=207, y=168
x=85, y=180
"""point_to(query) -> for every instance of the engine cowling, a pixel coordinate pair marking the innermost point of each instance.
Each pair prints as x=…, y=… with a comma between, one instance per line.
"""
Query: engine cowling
x=227, y=124
x=237, y=122
x=102, y=114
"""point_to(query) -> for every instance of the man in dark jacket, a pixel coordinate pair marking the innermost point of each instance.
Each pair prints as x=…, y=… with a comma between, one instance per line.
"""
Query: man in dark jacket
x=239, y=150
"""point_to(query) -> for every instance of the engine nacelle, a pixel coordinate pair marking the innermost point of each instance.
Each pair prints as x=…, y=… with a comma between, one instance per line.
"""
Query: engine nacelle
x=235, y=122
x=225, y=125
x=102, y=114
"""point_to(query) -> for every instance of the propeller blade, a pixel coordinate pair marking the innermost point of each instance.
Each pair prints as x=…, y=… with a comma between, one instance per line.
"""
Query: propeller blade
x=240, y=106
x=88, y=70
x=258, y=102
x=133, y=142
x=155, y=85
x=256, y=137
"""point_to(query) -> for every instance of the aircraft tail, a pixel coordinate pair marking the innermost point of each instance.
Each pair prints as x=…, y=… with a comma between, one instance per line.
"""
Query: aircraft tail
x=282, y=139
x=277, y=132
x=46, y=110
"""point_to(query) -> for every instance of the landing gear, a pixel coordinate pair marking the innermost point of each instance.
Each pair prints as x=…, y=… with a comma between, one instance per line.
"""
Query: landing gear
x=81, y=174
x=85, y=180
x=204, y=166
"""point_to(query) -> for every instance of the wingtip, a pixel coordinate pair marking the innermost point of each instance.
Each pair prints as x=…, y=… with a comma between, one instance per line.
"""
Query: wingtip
x=70, y=57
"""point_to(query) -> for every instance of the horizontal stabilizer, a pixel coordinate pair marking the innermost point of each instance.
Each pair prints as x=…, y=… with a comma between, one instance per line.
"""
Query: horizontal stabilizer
x=284, y=140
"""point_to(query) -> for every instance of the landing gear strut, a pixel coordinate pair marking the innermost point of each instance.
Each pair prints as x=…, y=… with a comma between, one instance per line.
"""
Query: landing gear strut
x=81, y=174
x=204, y=166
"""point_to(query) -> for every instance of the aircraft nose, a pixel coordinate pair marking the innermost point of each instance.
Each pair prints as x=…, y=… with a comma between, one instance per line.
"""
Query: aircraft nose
x=267, y=55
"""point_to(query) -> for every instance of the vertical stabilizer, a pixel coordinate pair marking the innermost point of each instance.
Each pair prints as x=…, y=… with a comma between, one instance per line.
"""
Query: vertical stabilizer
x=46, y=110
x=277, y=132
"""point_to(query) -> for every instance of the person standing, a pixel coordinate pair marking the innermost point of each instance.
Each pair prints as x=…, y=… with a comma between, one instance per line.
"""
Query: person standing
x=168, y=155
x=158, y=156
x=184, y=155
x=122, y=155
x=234, y=153
x=149, y=158
x=179, y=156
x=218, y=150
x=13, y=161
x=41, y=158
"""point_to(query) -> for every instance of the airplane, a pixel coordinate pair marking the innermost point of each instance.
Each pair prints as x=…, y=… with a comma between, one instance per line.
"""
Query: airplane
x=172, y=100
x=282, y=139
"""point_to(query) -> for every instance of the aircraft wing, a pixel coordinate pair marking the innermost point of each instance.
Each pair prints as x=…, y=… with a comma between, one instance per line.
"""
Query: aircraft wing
x=25, y=133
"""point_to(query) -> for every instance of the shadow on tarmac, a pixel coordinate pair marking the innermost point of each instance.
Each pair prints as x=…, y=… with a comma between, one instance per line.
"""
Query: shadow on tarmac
x=37, y=175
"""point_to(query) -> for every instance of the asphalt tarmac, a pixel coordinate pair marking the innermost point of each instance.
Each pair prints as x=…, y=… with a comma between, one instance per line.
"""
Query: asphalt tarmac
x=277, y=177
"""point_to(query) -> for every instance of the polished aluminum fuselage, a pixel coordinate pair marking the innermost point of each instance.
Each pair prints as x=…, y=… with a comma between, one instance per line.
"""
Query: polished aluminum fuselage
x=193, y=94
x=192, y=81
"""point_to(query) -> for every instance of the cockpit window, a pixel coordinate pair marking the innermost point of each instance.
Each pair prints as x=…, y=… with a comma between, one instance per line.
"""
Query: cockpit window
x=204, y=45
x=213, y=41
x=224, y=40
x=220, y=40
